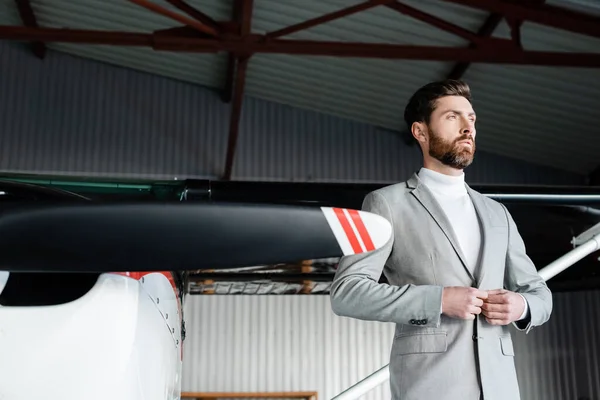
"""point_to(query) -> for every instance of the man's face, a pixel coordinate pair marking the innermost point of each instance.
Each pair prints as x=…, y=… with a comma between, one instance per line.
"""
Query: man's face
x=452, y=132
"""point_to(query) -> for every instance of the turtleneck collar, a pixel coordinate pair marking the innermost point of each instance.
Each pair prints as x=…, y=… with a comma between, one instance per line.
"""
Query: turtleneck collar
x=447, y=185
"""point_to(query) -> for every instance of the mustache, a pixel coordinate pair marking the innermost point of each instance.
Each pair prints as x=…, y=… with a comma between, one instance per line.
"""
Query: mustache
x=465, y=137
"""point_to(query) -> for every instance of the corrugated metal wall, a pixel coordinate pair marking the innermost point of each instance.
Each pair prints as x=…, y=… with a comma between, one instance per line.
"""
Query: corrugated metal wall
x=561, y=361
x=279, y=343
x=67, y=115
x=295, y=343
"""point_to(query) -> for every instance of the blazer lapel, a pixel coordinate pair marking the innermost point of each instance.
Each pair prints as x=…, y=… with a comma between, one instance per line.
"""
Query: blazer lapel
x=483, y=213
x=424, y=196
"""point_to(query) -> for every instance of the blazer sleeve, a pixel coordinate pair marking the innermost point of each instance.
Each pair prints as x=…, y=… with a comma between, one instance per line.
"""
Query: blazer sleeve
x=356, y=291
x=521, y=276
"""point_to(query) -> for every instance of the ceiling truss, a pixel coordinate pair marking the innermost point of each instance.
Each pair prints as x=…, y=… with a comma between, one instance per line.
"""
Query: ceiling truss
x=197, y=32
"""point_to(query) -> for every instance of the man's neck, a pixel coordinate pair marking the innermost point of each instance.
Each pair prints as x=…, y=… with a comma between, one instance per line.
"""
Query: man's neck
x=443, y=184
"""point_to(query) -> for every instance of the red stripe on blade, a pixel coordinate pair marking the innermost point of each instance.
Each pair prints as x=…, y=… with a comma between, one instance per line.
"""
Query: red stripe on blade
x=362, y=230
x=339, y=213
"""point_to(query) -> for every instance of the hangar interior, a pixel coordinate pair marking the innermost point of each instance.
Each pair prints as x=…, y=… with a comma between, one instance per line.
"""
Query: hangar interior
x=271, y=92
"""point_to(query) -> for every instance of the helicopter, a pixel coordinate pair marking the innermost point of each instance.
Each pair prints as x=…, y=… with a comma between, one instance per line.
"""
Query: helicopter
x=92, y=293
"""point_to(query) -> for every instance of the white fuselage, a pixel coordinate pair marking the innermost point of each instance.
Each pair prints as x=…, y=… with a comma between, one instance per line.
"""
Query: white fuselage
x=121, y=340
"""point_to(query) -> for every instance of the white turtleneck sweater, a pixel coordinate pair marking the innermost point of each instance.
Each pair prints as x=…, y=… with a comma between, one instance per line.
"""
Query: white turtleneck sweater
x=451, y=194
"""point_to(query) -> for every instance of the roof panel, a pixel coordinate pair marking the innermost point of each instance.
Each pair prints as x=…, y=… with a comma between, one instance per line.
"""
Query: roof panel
x=367, y=90
x=9, y=15
x=376, y=25
x=585, y=6
x=538, y=37
x=546, y=115
x=540, y=114
x=110, y=14
x=204, y=69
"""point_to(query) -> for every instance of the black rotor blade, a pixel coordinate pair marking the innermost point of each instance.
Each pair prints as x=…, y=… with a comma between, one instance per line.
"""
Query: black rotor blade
x=149, y=237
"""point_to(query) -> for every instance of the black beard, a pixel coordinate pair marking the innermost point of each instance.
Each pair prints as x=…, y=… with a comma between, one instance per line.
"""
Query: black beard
x=450, y=153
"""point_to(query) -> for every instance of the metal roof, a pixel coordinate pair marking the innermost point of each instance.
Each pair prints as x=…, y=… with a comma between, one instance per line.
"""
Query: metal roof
x=541, y=114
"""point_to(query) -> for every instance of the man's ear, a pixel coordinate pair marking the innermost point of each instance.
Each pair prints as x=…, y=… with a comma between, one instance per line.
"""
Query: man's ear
x=418, y=131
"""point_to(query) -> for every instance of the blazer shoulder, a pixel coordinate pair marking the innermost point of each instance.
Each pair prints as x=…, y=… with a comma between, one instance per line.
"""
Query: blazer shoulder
x=385, y=199
x=391, y=193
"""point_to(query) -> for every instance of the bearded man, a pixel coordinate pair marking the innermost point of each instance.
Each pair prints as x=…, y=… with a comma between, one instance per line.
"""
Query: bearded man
x=456, y=264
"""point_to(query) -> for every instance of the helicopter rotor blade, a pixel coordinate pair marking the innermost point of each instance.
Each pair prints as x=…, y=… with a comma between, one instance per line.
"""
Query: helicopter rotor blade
x=180, y=236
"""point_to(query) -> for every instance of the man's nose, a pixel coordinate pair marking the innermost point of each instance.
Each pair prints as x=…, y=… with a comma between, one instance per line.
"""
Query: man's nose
x=467, y=128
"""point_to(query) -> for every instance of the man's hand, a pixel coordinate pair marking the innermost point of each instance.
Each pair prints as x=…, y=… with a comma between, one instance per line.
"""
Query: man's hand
x=502, y=307
x=462, y=302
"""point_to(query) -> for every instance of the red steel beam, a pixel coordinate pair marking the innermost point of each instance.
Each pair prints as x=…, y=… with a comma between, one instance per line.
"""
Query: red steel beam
x=81, y=36
x=236, y=17
x=227, y=92
x=483, y=54
x=443, y=25
x=515, y=24
x=236, y=112
x=246, y=17
x=486, y=30
x=196, y=14
x=255, y=44
x=175, y=16
x=29, y=20
x=515, y=30
x=243, y=15
x=543, y=14
x=326, y=18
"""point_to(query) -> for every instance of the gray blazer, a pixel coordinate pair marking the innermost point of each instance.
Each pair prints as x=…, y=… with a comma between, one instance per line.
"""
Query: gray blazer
x=434, y=356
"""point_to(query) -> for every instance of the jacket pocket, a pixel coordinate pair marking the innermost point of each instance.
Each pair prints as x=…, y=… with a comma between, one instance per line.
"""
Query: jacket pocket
x=506, y=345
x=419, y=343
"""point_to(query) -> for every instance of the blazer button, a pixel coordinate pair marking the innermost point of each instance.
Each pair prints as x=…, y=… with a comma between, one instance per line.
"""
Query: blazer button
x=412, y=321
x=423, y=321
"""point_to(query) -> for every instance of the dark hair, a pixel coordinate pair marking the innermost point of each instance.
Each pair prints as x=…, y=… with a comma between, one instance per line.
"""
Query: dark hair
x=423, y=102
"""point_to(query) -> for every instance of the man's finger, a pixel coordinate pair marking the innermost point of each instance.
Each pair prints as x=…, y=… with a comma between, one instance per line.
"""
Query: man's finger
x=496, y=291
x=497, y=321
x=475, y=310
x=494, y=315
x=496, y=299
x=495, y=307
x=481, y=294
